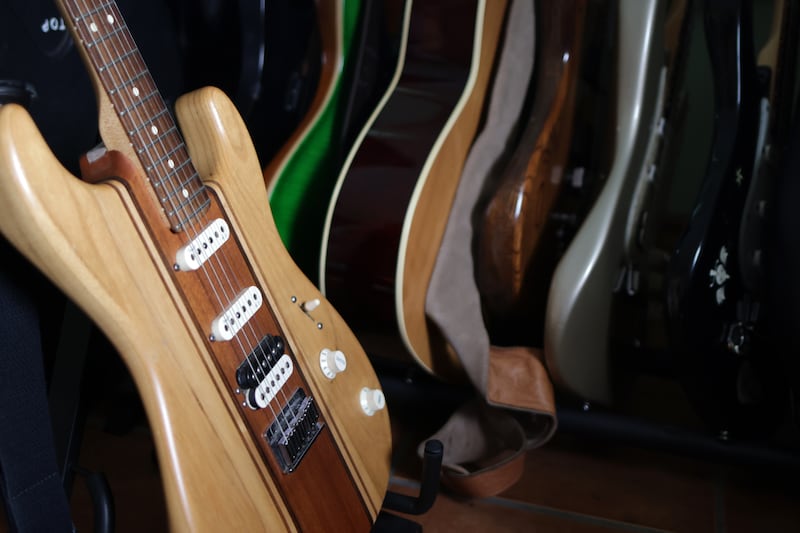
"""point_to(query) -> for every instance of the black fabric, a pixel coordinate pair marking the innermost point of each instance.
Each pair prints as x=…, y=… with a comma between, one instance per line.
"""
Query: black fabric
x=37, y=54
x=34, y=496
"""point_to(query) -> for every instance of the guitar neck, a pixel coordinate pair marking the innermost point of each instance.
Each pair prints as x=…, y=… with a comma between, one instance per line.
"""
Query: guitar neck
x=130, y=96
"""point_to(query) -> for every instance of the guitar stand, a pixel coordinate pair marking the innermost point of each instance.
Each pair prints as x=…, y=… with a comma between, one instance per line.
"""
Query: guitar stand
x=68, y=414
x=421, y=504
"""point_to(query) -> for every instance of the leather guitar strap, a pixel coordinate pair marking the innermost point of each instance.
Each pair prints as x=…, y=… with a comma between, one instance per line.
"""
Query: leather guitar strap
x=485, y=441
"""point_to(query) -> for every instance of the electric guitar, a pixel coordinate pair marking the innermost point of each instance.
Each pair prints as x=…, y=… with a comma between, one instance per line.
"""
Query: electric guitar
x=776, y=64
x=391, y=202
x=264, y=408
x=637, y=325
x=579, y=300
x=715, y=319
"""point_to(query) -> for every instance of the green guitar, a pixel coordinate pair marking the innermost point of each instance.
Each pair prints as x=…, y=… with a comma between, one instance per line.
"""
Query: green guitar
x=302, y=175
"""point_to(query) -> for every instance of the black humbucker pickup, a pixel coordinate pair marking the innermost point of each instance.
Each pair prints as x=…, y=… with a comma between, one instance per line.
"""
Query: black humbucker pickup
x=259, y=362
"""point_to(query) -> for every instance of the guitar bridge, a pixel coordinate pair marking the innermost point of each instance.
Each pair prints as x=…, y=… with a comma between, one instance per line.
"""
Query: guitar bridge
x=294, y=430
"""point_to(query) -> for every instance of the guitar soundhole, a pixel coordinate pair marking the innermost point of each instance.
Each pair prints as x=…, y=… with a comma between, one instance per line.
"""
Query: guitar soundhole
x=294, y=430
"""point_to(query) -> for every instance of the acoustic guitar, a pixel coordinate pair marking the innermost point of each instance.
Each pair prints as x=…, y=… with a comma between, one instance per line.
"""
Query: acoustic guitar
x=264, y=408
x=534, y=203
x=391, y=202
x=715, y=319
x=299, y=177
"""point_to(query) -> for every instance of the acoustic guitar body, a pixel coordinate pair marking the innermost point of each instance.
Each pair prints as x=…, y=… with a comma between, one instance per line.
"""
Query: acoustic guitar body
x=535, y=203
x=300, y=177
x=391, y=203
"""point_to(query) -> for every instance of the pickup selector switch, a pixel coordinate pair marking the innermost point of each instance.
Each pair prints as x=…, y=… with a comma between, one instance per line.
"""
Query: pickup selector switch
x=310, y=305
x=332, y=362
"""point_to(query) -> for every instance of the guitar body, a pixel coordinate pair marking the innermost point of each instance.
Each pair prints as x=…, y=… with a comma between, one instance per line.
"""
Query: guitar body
x=202, y=332
x=390, y=205
x=580, y=296
x=714, y=320
x=777, y=65
x=533, y=200
x=92, y=242
x=299, y=177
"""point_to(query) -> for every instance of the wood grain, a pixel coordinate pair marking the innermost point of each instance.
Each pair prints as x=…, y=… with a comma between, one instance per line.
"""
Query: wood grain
x=110, y=247
x=513, y=223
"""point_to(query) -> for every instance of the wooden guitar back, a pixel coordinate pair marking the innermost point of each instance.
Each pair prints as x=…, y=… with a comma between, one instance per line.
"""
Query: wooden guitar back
x=513, y=223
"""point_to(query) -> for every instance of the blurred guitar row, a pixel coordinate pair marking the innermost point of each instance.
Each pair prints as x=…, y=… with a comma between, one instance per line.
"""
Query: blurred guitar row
x=639, y=221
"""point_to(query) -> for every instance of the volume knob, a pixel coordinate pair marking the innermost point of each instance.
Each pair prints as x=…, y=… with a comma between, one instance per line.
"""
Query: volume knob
x=332, y=362
x=372, y=400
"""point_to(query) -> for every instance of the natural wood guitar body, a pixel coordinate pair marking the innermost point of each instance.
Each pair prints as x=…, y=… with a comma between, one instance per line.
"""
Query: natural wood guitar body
x=108, y=245
x=92, y=242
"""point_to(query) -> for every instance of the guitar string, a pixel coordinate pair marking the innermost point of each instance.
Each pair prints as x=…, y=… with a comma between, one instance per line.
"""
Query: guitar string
x=103, y=41
x=221, y=254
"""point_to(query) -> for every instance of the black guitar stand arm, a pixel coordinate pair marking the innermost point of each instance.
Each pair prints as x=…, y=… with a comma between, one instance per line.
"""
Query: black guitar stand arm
x=421, y=504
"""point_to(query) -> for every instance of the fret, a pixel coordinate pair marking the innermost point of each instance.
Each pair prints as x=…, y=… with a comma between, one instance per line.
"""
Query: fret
x=138, y=103
x=101, y=7
x=107, y=36
x=165, y=158
x=160, y=138
x=150, y=120
x=117, y=60
x=173, y=173
x=186, y=203
x=181, y=188
x=128, y=82
x=179, y=226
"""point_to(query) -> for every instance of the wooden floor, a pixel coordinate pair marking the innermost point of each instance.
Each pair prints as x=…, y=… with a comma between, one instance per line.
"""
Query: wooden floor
x=572, y=484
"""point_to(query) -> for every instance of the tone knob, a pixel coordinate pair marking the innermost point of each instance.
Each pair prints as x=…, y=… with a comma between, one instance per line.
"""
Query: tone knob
x=332, y=362
x=372, y=400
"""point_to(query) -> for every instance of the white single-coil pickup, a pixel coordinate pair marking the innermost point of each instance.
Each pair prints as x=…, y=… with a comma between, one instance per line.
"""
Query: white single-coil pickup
x=193, y=255
x=259, y=397
x=226, y=325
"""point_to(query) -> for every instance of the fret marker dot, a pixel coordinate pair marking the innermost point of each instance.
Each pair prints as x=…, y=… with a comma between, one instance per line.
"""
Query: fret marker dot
x=135, y=91
x=110, y=19
x=171, y=163
x=93, y=27
x=154, y=130
x=185, y=193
